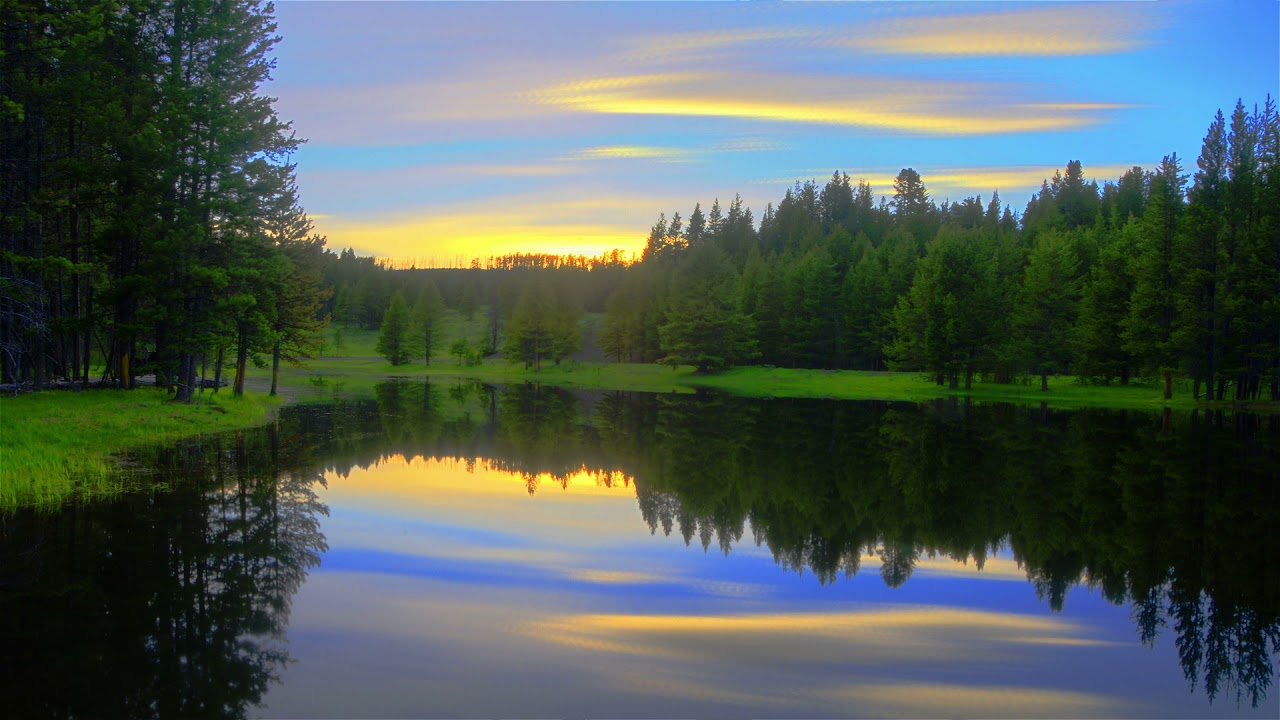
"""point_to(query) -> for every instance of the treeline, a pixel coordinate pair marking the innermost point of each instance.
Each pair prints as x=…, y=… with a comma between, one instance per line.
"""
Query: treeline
x=363, y=286
x=532, y=303
x=1149, y=275
x=149, y=219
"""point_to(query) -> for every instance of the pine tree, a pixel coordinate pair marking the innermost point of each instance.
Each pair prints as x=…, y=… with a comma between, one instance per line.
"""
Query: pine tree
x=425, y=319
x=811, y=317
x=1046, y=308
x=1199, y=328
x=1149, y=329
x=393, y=338
x=945, y=324
x=299, y=291
x=543, y=326
x=1104, y=308
x=705, y=324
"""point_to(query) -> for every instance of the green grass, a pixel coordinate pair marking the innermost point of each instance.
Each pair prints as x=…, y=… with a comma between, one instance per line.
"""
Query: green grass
x=861, y=385
x=58, y=445
x=360, y=368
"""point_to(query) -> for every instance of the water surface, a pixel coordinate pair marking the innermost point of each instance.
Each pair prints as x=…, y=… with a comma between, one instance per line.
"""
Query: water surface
x=467, y=551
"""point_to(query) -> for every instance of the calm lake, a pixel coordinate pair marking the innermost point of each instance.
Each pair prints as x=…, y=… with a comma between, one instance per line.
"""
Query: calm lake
x=456, y=550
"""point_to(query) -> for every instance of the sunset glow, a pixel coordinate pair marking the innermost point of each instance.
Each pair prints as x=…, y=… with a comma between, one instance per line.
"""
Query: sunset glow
x=449, y=131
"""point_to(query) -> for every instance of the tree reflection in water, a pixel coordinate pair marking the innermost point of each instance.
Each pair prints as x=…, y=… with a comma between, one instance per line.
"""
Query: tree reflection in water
x=1173, y=516
x=175, y=604
x=172, y=604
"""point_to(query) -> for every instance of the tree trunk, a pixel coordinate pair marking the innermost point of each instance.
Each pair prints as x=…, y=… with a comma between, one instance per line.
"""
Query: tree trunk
x=242, y=356
x=88, y=330
x=968, y=380
x=1168, y=385
x=217, y=369
x=38, y=363
x=204, y=366
x=1124, y=376
x=186, y=380
x=275, y=368
x=1044, y=382
x=955, y=381
x=126, y=378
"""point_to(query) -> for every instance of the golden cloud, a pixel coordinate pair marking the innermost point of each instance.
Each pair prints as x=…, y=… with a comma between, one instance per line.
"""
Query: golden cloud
x=632, y=152
x=893, y=105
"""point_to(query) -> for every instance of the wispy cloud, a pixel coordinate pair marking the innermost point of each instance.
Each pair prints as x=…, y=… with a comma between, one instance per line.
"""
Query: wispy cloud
x=514, y=170
x=898, y=105
x=748, y=143
x=686, y=46
x=635, y=152
x=1075, y=30
x=958, y=182
x=1079, y=29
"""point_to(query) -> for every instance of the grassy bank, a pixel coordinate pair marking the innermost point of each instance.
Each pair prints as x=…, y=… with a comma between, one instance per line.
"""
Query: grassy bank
x=57, y=445
x=360, y=368
x=357, y=378
x=61, y=444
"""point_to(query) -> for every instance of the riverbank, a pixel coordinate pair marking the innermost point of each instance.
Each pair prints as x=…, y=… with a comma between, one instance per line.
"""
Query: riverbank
x=359, y=368
x=62, y=444
x=58, y=445
x=357, y=376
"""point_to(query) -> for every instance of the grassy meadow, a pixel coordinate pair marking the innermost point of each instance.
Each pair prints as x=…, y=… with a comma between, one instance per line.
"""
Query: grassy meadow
x=354, y=366
x=59, y=445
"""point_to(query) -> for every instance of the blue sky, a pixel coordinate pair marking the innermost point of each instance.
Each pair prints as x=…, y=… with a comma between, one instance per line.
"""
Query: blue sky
x=445, y=131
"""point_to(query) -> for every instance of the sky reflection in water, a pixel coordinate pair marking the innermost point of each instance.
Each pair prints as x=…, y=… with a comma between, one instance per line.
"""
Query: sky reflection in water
x=454, y=588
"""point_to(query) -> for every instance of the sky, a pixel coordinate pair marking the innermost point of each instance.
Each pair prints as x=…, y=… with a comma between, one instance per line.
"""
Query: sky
x=438, y=132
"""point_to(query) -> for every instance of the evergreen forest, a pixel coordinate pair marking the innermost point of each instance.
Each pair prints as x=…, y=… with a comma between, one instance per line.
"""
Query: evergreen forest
x=150, y=223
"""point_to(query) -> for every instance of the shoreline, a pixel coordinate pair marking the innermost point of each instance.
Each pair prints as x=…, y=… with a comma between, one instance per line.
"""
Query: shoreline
x=68, y=443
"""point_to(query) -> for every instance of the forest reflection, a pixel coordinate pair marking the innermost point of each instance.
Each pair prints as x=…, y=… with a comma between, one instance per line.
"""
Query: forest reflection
x=1173, y=516
x=188, y=592
x=167, y=604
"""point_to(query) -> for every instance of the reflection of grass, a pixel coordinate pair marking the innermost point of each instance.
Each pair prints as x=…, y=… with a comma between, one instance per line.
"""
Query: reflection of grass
x=57, y=445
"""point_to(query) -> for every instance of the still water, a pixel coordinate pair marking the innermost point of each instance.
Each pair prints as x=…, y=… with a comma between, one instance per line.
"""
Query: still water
x=465, y=551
